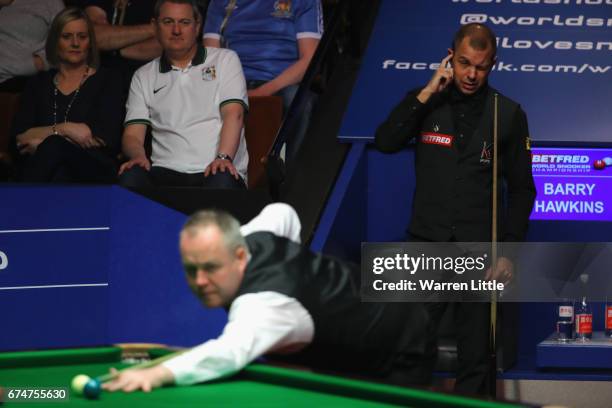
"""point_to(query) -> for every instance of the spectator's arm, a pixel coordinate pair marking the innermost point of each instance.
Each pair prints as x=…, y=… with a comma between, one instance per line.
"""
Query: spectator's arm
x=110, y=37
x=39, y=62
x=233, y=104
x=142, y=51
x=211, y=31
x=133, y=141
x=133, y=147
x=212, y=42
x=137, y=119
x=294, y=73
x=28, y=141
x=5, y=2
x=232, y=115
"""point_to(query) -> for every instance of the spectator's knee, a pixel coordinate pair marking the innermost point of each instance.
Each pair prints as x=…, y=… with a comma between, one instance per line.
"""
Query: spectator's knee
x=135, y=177
x=224, y=179
x=52, y=146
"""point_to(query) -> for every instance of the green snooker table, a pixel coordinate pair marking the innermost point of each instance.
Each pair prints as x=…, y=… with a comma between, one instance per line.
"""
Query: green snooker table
x=257, y=386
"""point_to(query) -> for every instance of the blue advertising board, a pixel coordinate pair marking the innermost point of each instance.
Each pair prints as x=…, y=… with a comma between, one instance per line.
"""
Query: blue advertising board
x=87, y=266
x=553, y=58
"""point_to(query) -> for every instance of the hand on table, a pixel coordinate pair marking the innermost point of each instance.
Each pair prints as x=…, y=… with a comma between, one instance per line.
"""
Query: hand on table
x=133, y=380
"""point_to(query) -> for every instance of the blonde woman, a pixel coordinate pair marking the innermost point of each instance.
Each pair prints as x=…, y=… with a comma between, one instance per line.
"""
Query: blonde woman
x=68, y=128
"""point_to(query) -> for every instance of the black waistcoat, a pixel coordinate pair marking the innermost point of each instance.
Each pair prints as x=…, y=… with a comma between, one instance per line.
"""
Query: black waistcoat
x=454, y=186
x=348, y=334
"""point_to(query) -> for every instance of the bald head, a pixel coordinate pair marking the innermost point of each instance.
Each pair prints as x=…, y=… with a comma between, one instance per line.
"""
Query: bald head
x=480, y=37
x=223, y=221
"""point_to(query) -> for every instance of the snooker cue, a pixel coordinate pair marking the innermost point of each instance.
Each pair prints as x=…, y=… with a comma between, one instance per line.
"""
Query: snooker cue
x=111, y=376
x=493, y=312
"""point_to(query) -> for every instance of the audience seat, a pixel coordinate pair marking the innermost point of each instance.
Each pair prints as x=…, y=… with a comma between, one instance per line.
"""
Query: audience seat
x=261, y=126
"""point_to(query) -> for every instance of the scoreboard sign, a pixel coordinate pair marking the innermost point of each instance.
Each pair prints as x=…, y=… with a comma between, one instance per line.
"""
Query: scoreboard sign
x=572, y=184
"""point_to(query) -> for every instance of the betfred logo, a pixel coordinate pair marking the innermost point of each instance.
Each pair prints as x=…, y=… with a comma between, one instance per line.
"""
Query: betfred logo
x=559, y=158
x=437, y=139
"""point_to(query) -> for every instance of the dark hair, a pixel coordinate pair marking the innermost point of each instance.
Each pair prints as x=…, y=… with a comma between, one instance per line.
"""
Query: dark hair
x=193, y=3
x=481, y=37
x=57, y=26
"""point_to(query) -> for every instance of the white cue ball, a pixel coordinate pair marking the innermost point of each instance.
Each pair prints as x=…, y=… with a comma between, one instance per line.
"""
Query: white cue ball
x=78, y=383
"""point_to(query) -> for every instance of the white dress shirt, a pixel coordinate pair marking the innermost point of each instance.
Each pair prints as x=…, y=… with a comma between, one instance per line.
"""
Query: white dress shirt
x=258, y=323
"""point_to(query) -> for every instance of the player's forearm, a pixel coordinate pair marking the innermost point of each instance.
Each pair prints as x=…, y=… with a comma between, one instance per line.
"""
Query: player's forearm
x=209, y=361
x=142, y=51
x=402, y=125
x=230, y=132
x=110, y=37
x=424, y=95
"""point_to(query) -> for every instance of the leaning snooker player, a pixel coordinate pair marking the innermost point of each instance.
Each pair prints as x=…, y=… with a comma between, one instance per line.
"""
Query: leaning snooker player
x=286, y=301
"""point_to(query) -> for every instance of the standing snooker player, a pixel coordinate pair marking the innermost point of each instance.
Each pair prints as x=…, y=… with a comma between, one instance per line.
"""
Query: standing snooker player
x=285, y=300
x=451, y=119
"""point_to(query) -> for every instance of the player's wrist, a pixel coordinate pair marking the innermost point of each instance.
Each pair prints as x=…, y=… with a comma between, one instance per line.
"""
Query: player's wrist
x=161, y=376
x=424, y=95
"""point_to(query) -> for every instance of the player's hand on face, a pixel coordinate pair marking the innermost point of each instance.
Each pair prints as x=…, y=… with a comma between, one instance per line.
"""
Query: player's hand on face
x=502, y=272
x=138, y=161
x=442, y=77
x=223, y=166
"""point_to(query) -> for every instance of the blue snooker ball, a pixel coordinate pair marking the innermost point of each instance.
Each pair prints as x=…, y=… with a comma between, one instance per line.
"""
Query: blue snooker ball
x=92, y=389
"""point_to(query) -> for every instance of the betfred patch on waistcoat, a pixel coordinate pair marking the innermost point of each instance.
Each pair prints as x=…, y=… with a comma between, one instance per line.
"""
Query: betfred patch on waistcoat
x=437, y=139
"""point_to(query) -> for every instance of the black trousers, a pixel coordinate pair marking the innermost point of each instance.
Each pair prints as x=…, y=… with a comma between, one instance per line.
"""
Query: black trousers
x=137, y=177
x=471, y=321
x=56, y=160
